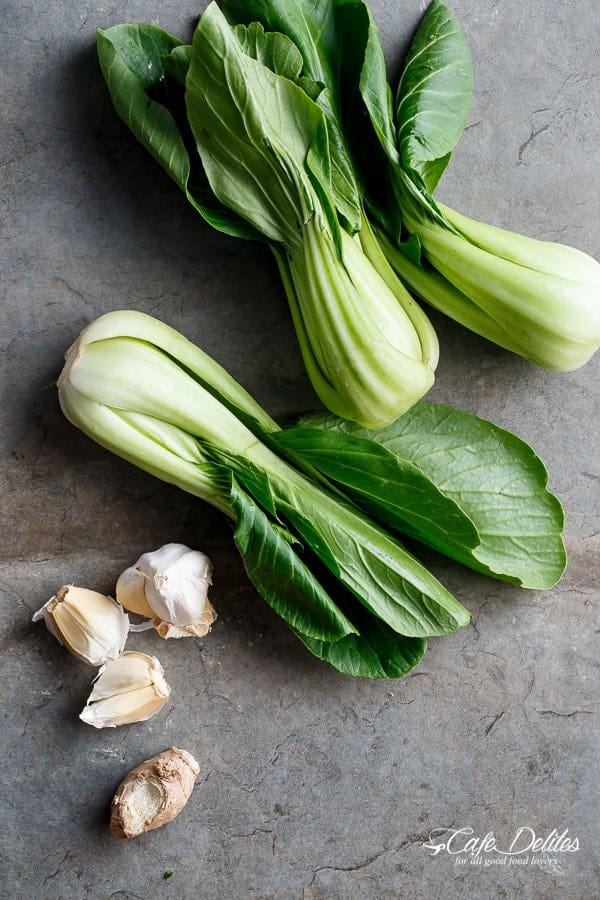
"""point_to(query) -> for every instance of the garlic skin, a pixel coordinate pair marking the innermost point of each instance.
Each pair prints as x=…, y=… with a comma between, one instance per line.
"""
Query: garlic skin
x=198, y=629
x=170, y=586
x=153, y=793
x=90, y=625
x=126, y=690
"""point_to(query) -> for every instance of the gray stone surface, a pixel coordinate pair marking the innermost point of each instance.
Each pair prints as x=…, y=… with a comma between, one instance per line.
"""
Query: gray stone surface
x=312, y=784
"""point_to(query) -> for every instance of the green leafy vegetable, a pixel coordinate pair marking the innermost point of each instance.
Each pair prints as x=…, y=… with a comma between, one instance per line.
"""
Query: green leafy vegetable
x=254, y=130
x=538, y=299
x=494, y=481
x=374, y=651
x=271, y=162
x=141, y=390
x=264, y=146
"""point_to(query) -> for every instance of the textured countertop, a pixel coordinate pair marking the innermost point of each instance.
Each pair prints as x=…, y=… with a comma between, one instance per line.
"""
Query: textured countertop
x=312, y=784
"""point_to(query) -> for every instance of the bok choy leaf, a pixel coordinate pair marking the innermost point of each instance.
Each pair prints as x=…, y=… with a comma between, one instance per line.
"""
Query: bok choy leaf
x=133, y=61
x=326, y=51
x=434, y=96
x=500, y=520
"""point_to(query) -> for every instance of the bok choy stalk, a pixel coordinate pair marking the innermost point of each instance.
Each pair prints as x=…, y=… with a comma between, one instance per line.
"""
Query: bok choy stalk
x=257, y=156
x=538, y=299
x=351, y=593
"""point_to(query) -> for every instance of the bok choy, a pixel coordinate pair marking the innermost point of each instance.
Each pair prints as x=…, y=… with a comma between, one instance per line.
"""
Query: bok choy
x=535, y=298
x=349, y=590
x=254, y=145
x=316, y=506
x=538, y=299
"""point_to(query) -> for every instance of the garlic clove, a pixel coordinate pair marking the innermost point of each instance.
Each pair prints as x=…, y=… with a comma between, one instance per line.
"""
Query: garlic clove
x=131, y=592
x=134, y=584
x=129, y=689
x=170, y=584
x=138, y=705
x=132, y=670
x=153, y=793
x=178, y=593
x=90, y=625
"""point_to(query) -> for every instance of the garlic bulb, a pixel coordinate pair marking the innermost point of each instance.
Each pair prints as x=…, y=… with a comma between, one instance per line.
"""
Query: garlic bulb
x=170, y=586
x=153, y=793
x=92, y=626
x=128, y=689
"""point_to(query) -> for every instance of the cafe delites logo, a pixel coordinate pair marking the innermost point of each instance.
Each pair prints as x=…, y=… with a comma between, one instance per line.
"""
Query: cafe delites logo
x=525, y=847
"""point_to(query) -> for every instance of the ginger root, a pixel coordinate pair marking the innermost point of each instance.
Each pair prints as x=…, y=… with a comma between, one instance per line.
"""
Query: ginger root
x=153, y=793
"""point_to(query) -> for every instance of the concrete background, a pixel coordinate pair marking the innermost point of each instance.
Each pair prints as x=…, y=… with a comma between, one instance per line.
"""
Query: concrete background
x=312, y=785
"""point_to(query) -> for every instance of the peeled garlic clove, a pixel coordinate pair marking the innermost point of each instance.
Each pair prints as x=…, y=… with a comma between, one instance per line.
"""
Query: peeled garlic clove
x=170, y=584
x=90, y=625
x=128, y=689
x=153, y=793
